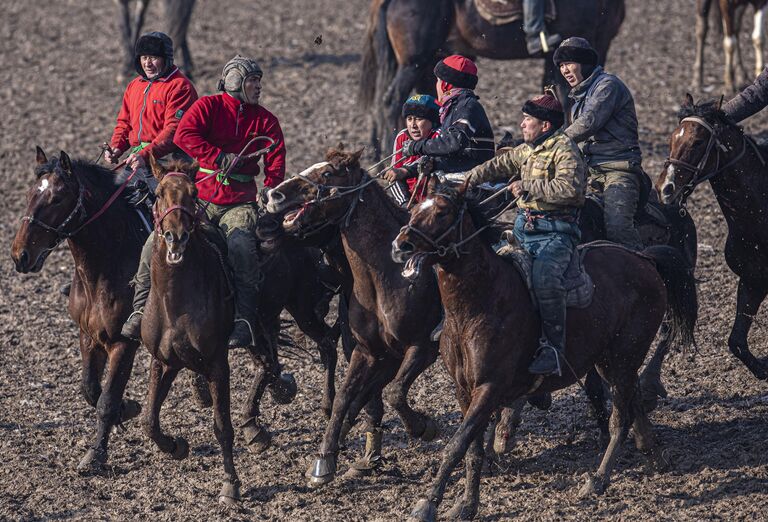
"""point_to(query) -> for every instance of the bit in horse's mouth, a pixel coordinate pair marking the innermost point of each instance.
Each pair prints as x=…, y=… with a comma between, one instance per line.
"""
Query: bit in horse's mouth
x=412, y=268
x=290, y=217
x=174, y=258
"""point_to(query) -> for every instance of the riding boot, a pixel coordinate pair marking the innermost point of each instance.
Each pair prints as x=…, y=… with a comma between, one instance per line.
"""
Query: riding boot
x=551, y=352
x=142, y=282
x=542, y=43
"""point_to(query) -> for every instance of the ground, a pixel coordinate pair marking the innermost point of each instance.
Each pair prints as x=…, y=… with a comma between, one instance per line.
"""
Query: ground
x=59, y=91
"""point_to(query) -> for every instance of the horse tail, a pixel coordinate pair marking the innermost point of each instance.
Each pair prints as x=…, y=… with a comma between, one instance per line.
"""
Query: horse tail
x=379, y=62
x=682, y=301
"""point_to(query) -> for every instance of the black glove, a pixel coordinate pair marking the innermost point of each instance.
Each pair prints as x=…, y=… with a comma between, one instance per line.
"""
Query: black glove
x=225, y=159
x=408, y=147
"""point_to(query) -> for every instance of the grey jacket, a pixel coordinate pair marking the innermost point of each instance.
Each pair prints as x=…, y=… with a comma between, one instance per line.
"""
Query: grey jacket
x=603, y=120
x=749, y=101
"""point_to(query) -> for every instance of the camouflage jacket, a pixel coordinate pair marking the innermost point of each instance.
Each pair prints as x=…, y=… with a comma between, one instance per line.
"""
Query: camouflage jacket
x=553, y=173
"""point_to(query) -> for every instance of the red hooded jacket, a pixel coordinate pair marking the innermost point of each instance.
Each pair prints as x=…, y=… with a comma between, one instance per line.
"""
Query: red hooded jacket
x=221, y=123
x=398, y=160
x=150, y=113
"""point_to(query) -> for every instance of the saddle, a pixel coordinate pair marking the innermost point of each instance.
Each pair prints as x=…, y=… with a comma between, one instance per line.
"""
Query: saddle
x=500, y=12
x=579, y=286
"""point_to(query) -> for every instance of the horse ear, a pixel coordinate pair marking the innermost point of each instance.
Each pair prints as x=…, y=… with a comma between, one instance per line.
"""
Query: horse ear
x=65, y=163
x=40, y=156
x=157, y=170
x=193, y=168
x=463, y=188
x=431, y=186
x=720, y=102
x=688, y=100
x=355, y=156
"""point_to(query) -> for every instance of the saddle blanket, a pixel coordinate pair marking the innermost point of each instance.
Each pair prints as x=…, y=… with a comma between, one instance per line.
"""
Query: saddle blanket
x=500, y=12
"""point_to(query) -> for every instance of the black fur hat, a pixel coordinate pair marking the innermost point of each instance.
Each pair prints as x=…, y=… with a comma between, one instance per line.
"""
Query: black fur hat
x=575, y=49
x=153, y=44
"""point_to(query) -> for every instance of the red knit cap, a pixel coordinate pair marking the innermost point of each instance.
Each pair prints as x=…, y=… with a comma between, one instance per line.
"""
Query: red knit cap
x=545, y=107
x=457, y=70
x=461, y=64
x=548, y=101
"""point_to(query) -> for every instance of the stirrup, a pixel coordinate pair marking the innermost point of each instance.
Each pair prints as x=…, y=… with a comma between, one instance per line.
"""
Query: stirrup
x=252, y=340
x=544, y=344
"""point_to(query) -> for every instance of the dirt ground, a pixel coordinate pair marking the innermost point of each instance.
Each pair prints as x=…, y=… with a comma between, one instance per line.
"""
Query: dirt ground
x=58, y=90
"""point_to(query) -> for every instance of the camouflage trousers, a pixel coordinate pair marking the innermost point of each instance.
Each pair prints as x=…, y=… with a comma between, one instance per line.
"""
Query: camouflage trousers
x=620, y=184
x=238, y=223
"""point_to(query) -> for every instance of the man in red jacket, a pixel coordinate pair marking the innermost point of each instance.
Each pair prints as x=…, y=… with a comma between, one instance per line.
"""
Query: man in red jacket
x=214, y=131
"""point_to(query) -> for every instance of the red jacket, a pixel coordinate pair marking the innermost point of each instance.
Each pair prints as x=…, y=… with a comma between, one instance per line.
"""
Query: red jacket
x=221, y=123
x=150, y=113
x=399, y=161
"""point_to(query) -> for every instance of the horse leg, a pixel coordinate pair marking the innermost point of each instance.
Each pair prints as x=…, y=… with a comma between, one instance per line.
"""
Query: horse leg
x=257, y=437
x=651, y=387
x=111, y=409
x=201, y=392
x=361, y=367
x=645, y=441
x=374, y=412
x=750, y=295
x=476, y=417
x=702, y=28
x=417, y=359
x=740, y=72
x=757, y=39
x=467, y=505
x=125, y=35
x=505, y=430
x=729, y=43
x=178, y=14
x=593, y=386
x=218, y=383
x=94, y=358
x=160, y=379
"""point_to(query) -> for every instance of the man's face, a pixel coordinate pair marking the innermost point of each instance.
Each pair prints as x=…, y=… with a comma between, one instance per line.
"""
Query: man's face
x=418, y=128
x=439, y=89
x=252, y=89
x=571, y=71
x=533, y=128
x=152, y=65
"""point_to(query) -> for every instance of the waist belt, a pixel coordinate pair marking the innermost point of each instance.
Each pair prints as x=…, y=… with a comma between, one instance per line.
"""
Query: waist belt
x=569, y=216
x=141, y=146
x=242, y=178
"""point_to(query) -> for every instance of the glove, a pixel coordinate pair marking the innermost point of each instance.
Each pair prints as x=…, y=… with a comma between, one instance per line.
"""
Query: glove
x=225, y=159
x=408, y=147
x=137, y=192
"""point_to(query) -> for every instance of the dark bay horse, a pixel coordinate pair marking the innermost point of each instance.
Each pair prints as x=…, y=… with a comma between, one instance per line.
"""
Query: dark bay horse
x=390, y=318
x=73, y=201
x=188, y=317
x=706, y=146
x=405, y=38
x=492, y=330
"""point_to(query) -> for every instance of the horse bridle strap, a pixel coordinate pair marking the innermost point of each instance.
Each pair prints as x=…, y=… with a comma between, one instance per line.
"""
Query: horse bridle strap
x=160, y=217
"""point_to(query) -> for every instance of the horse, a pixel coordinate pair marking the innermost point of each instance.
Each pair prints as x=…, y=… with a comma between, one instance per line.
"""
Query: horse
x=707, y=146
x=188, y=316
x=492, y=331
x=178, y=14
x=404, y=39
x=731, y=12
x=390, y=318
x=77, y=201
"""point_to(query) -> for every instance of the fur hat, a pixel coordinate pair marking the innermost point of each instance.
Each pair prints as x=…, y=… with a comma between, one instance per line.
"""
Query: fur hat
x=546, y=107
x=153, y=44
x=235, y=72
x=575, y=49
x=458, y=71
x=422, y=106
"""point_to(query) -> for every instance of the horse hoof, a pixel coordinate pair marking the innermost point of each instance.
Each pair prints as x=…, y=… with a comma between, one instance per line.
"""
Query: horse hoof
x=364, y=467
x=129, y=409
x=658, y=462
x=230, y=494
x=592, y=486
x=425, y=511
x=503, y=443
x=257, y=438
x=651, y=390
x=283, y=389
x=430, y=430
x=180, y=449
x=93, y=462
x=323, y=471
x=461, y=511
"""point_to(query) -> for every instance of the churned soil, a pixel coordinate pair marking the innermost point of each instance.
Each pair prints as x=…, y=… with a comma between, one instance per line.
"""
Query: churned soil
x=59, y=91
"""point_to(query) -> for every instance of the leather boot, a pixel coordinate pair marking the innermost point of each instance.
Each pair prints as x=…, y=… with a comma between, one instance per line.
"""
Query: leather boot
x=552, y=343
x=242, y=334
x=542, y=43
x=132, y=326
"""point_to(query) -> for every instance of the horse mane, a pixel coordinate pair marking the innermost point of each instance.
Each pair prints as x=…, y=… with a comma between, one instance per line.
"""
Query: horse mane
x=708, y=111
x=479, y=219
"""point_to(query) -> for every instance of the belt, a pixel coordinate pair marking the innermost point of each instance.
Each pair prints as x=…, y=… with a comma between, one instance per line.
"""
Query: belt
x=141, y=146
x=563, y=215
x=242, y=178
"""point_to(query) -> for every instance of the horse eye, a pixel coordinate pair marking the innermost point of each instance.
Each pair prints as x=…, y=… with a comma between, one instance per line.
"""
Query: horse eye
x=327, y=174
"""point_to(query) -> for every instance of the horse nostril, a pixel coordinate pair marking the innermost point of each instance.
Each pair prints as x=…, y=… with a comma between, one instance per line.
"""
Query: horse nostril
x=168, y=237
x=184, y=237
x=405, y=246
x=668, y=189
x=276, y=196
x=23, y=259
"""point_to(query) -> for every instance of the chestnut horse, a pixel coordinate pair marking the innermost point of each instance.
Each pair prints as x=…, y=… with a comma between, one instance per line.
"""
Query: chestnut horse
x=390, y=318
x=77, y=201
x=706, y=146
x=492, y=331
x=405, y=38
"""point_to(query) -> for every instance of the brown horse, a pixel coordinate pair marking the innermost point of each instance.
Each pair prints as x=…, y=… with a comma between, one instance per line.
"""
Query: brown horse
x=188, y=317
x=74, y=201
x=731, y=12
x=390, y=318
x=405, y=38
x=492, y=330
x=706, y=146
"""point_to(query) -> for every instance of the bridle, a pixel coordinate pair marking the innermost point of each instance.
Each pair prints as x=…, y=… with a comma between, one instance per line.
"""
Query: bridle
x=159, y=217
x=698, y=174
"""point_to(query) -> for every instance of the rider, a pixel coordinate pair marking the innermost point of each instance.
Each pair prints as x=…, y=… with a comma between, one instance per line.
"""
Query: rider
x=536, y=38
x=214, y=131
x=749, y=101
x=422, y=117
x=604, y=123
x=549, y=178
x=466, y=136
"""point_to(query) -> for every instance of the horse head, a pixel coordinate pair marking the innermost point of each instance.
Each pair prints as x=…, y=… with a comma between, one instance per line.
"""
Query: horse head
x=54, y=212
x=697, y=147
x=320, y=195
x=176, y=206
x=435, y=230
